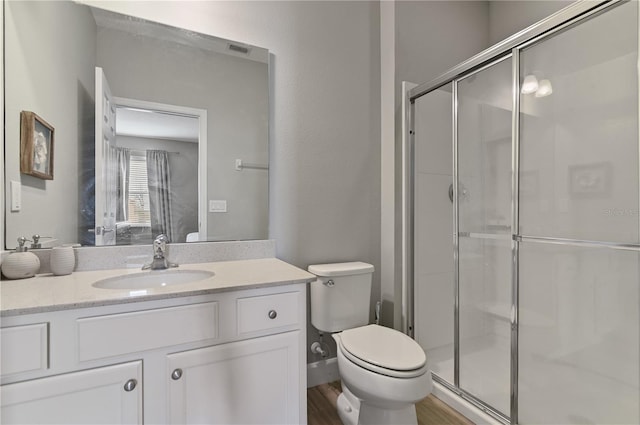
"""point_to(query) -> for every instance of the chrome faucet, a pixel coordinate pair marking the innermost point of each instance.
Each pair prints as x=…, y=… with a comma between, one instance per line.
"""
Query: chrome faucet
x=159, y=261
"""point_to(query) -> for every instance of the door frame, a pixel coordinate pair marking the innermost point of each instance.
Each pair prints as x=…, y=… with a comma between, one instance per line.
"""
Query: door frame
x=201, y=115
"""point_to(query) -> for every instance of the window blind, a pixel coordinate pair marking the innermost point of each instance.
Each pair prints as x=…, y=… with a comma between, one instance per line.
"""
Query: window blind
x=138, y=202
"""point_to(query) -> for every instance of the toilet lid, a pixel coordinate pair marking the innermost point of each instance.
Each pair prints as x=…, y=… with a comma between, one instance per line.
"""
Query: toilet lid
x=383, y=347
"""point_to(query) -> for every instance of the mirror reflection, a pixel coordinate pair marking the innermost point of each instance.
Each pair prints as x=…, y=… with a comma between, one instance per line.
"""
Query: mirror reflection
x=150, y=171
x=157, y=129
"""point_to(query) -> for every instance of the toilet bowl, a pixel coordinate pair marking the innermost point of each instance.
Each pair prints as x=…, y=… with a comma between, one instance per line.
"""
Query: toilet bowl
x=384, y=373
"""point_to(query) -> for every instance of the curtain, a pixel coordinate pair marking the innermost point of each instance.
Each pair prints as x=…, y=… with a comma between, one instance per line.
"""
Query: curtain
x=159, y=193
x=122, y=156
x=110, y=173
x=117, y=181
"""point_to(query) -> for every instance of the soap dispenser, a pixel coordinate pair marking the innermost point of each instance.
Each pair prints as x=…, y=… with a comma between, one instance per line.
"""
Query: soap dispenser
x=20, y=263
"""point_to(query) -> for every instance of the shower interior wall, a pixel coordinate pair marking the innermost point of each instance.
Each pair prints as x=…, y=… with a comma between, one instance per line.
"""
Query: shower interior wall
x=469, y=27
x=579, y=305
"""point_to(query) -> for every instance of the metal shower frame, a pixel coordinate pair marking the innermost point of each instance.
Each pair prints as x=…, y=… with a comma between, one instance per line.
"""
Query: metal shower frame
x=509, y=48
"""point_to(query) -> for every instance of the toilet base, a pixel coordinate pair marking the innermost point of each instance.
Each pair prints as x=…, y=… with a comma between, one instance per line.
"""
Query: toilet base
x=370, y=415
x=348, y=407
x=353, y=411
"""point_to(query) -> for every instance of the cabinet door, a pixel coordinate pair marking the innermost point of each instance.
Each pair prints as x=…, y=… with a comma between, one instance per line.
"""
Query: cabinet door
x=95, y=396
x=247, y=382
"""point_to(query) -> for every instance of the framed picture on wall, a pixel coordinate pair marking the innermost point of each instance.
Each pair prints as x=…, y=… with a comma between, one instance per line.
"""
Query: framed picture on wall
x=590, y=180
x=36, y=146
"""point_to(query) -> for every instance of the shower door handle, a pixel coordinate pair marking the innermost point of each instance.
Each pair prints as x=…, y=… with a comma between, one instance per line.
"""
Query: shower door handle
x=463, y=192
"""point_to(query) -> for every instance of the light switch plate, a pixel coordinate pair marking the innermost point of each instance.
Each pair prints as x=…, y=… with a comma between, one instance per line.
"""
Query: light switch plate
x=16, y=196
x=218, y=206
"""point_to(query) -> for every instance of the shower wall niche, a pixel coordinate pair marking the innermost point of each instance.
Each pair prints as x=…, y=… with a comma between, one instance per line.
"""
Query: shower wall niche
x=526, y=222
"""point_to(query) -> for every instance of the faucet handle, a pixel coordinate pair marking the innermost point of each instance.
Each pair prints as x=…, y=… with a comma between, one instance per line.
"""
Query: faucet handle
x=36, y=240
x=159, y=261
x=160, y=244
x=21, y=241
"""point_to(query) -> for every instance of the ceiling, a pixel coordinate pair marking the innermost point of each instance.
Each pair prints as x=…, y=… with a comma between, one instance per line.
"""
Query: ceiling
x=157, y=125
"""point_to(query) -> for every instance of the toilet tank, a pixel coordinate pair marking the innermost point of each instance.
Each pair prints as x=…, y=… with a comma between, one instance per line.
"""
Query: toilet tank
x=340, y=296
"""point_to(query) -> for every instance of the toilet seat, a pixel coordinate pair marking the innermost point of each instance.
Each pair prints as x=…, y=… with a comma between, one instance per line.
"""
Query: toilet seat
x=383, y=350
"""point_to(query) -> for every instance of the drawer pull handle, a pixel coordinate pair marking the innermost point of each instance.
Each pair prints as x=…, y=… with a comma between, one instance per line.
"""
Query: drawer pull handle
x=130, y=385
x=273, y=314
x=176, y=374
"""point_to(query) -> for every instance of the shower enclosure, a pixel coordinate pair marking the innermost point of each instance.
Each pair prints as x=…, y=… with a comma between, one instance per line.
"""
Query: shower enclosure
x=524, y=222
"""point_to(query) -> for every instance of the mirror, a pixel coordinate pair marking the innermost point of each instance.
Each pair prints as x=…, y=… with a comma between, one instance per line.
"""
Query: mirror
x=191, y=104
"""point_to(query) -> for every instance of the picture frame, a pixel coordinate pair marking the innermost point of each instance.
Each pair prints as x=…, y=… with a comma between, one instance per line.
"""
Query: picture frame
x=36, y=146
x=590, y=180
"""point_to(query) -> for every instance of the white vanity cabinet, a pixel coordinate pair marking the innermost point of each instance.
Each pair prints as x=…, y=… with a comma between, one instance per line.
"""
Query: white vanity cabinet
x=224, y=357
x=250, y=382
x=109, y=395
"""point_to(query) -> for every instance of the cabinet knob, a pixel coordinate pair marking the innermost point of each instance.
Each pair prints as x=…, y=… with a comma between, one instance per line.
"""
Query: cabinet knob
x=176, y=374
x=130, y=385
x=273, y=314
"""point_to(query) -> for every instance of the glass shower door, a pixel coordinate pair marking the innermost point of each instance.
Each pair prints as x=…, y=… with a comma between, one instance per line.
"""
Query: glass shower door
x=579, y=328
x=484, y=158
x=434, y=281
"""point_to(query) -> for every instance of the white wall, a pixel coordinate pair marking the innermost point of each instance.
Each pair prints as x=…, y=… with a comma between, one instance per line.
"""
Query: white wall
x=50, y=77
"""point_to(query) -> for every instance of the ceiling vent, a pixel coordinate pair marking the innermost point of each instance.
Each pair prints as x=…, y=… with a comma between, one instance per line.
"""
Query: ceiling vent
x=238, y=48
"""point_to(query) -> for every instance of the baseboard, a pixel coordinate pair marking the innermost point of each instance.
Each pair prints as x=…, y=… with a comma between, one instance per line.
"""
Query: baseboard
x=322, y=372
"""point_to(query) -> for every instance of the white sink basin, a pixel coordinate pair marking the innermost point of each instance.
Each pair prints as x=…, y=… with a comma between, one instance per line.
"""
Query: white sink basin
x=153, y=279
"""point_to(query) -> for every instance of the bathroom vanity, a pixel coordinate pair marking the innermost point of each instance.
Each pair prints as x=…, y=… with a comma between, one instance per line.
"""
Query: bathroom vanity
x=226, y=349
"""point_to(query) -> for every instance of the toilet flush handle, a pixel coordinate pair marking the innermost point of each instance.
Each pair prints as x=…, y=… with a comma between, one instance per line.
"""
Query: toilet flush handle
x=330, y=283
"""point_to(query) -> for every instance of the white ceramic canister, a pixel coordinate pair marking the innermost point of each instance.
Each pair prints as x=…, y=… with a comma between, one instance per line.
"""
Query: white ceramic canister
x=21, y=263
x=62, y=260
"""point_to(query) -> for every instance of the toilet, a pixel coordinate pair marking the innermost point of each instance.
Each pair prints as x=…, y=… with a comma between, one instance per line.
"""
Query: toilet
x=383, y=371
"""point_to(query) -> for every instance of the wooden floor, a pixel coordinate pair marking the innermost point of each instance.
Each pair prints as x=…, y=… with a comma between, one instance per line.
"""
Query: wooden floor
x=321, y=408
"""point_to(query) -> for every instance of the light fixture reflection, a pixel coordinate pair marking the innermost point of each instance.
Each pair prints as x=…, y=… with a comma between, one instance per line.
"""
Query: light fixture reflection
x=544, y=88
x=530, y=84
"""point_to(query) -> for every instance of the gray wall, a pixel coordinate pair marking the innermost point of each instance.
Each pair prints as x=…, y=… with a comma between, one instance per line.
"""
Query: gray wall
x=325, y=105
x=54, y=78
x=509, y=17
x=430, y=38
x=236, y=99
x=325, y=143
x=325, y=140
x=433, y=36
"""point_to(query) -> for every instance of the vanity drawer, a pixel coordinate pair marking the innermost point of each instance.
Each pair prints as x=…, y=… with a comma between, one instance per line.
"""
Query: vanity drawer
x=268, y=312
x=117, y=334
x=24, y=348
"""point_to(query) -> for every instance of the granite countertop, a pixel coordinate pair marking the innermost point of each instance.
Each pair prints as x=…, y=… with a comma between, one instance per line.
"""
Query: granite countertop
x=46, y=292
